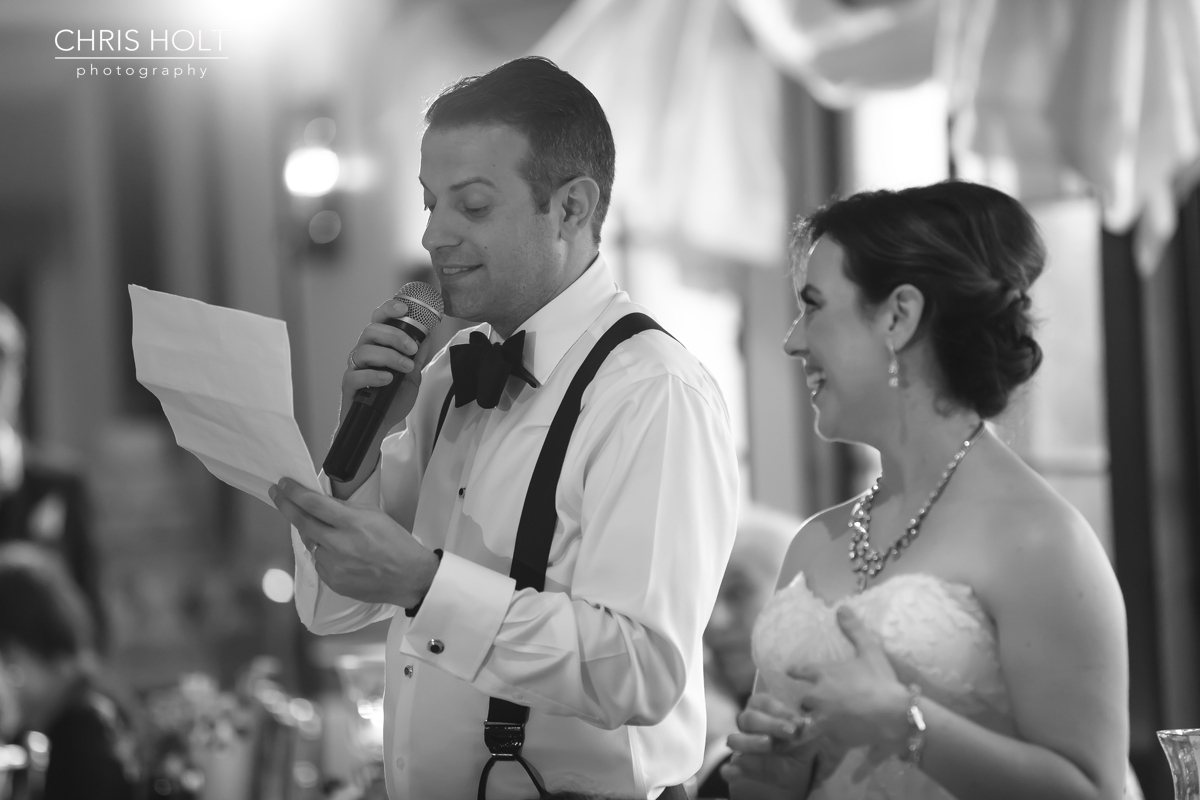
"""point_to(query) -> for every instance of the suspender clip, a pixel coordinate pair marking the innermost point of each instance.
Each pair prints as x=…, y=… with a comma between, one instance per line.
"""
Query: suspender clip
x=504, y=739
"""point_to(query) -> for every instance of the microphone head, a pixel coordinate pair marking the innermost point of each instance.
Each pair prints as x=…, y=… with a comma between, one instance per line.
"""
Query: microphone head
x=424, y=303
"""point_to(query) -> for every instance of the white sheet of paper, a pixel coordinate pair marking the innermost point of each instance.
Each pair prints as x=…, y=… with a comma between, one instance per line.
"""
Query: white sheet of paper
x=224, y=378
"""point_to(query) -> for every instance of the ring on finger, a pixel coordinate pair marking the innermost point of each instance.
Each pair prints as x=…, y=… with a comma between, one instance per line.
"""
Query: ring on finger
x=351, y=362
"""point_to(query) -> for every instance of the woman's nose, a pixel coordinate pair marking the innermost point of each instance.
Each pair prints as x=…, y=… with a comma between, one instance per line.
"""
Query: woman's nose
x=794, y=344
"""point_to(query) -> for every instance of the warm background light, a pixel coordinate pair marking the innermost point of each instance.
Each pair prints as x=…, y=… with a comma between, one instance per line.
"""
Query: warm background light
x=311, y=171
x=277, y=585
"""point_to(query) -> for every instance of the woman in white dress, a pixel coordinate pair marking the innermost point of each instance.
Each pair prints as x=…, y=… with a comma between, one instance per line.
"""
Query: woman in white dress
x=957, y=631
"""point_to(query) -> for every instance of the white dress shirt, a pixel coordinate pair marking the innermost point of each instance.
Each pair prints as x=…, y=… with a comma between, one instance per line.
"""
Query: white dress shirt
x=608, y=657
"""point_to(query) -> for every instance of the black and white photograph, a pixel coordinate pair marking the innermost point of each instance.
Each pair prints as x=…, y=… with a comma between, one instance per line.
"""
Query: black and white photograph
x=600, y=399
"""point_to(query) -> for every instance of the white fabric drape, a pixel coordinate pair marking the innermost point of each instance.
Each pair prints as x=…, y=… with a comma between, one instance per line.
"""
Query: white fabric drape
x=1048, y=95
x=695, y=110
x=1129, y=112
x=840, y=52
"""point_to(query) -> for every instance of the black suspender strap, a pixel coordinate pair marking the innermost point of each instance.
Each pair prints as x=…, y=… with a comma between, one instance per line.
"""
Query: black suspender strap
x=538, y=516
x=504, y=730
x=442, y=417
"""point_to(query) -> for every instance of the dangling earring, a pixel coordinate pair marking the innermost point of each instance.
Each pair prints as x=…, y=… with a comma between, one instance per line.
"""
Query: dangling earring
x=893, y=367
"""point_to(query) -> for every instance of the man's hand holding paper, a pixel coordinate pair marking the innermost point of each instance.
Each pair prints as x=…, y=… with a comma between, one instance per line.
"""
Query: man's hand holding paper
x=359, y=551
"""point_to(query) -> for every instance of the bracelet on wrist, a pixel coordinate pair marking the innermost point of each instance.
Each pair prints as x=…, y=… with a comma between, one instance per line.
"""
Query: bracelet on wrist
x=916, y=727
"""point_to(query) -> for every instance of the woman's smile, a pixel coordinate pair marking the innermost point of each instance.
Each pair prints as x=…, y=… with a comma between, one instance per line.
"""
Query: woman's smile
x=815, y=380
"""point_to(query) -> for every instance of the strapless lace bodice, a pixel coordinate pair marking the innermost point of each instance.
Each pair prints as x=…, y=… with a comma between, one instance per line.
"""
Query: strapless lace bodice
x=937, y=635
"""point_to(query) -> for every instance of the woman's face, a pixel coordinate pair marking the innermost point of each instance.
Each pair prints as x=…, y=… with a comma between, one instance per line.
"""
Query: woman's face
x=845, y=356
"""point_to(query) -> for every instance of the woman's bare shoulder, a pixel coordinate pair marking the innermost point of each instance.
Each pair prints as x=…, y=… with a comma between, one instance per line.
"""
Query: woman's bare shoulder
x=1028, y=533
x=1022, y=513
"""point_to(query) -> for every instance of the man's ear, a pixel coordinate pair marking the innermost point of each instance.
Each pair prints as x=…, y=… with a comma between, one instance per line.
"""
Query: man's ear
x=902, y=314
x=576, y=200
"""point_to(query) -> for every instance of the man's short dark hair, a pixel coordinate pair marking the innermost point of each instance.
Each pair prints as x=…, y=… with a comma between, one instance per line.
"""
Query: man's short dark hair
x=41, y=608
x=565, y=126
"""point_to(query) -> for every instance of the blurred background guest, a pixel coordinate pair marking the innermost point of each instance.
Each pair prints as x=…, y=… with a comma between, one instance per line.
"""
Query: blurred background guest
x=41, y=500
x=763, y=535
x=48, y=667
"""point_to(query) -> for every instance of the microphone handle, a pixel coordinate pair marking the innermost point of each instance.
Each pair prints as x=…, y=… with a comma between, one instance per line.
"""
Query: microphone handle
x=359, y=428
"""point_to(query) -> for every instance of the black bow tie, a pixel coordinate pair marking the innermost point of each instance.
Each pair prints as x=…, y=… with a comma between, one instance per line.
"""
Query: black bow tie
x=481, y=368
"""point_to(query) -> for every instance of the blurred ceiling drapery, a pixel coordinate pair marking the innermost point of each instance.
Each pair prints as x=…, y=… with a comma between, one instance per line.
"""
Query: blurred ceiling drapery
x=840, y=51
x=696, y=109
x=1046, y=94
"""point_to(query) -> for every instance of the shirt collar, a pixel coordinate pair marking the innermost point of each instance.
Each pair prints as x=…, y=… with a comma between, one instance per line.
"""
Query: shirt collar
x=554, y=327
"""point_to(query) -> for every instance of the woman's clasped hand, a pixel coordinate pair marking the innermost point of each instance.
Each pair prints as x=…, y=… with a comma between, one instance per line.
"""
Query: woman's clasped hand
x=848, y=704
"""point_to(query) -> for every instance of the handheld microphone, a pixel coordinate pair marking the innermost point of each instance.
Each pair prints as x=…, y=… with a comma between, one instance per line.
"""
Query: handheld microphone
x=370, y=404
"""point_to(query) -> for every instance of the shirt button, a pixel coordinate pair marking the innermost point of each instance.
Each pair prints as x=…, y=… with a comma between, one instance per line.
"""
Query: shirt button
x=462, y=491
x=436, y=646
x=408, y=670
x=400, y=763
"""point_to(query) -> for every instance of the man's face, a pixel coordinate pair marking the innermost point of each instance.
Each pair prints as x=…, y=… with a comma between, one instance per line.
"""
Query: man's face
x=498, y=260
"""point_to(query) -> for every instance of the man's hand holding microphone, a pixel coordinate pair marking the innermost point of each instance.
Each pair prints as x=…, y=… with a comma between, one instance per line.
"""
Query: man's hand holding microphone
x=358, y=550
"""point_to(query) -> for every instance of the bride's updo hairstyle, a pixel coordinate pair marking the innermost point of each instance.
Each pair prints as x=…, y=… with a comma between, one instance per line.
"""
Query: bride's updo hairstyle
x=972, y=251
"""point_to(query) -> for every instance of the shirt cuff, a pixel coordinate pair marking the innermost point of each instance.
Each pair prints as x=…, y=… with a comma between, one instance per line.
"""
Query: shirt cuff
x=459, y=617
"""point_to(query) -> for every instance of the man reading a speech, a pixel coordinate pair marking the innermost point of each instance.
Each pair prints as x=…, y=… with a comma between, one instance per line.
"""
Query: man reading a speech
x=567, y=424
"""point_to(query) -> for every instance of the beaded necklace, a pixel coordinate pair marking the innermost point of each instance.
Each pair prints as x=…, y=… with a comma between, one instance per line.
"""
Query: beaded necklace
x=865, y=560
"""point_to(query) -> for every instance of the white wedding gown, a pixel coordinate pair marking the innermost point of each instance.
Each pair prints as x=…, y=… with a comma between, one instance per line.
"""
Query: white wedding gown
x=937, y=635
